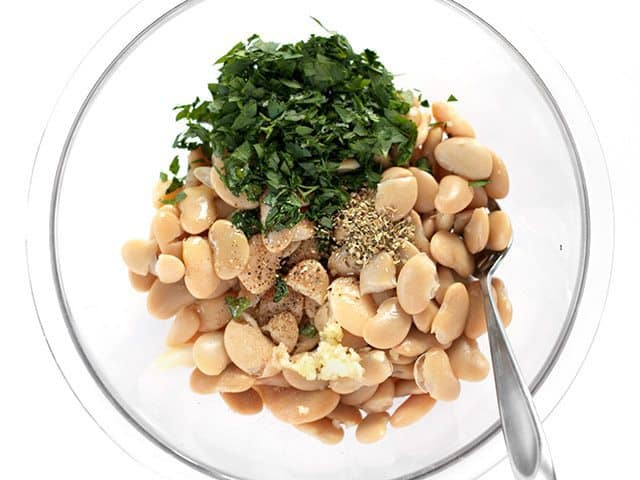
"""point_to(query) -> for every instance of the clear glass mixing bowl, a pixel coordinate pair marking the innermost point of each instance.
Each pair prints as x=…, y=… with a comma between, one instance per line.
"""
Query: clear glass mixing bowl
x=111, y=133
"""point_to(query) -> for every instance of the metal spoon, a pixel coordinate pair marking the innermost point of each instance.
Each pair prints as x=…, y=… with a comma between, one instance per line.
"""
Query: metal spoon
x=526, y=444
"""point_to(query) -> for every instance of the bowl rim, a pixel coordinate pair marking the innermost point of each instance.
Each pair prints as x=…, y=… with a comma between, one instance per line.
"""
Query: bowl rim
x=129, y=433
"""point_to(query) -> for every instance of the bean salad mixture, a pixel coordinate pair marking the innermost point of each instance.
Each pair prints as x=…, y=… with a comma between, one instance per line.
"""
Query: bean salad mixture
x=316, y=245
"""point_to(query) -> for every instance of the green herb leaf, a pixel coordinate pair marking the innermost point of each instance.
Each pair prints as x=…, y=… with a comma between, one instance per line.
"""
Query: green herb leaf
x=478, y=183
x=248, y=221
x=164, y=177
x=425, y=103
x=452, y=98
x=308, y=330
x=423, y=164
x=175, y=200
x=174, y=167
x=175, y=184
x=281, y=290
x=236, y=305
x=304, y=131
x=291, y=83
x=321, y=25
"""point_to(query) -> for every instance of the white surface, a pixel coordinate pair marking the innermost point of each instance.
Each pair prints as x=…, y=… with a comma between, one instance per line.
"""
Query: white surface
x=45, y=432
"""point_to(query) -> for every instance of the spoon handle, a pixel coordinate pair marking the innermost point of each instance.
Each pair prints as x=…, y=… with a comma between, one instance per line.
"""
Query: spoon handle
x=526, y=445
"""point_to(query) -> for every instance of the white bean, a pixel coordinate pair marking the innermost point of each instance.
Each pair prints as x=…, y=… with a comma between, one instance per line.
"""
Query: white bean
x=297, y=407
x=197, y=210
x=397, y=194
x=417, y=283
x=139, y=255
x=184, y=327
x=346, y=415
x=360, y=395
x=499, y=231
x=423, y=319
x=449, y=250
x=169, y=269
x=382, y=400
x=247, y=347
x=467, y=361
x=465, y=157
x=244, y=403
x=433, y=374
x=498, y=186
x=451, y=318
x=372, y=428
x=166, y=299
x=434, y=137
x=348, y=306
x=413, y=409
x=476, y=232
x=388, y=327
x=200, y=276
x=231, y=249
x=378, y=274
x=209, y=354
x=420, y=239
x=324, y=430
x=427, y=190
x=454, y=194
x=141, y=283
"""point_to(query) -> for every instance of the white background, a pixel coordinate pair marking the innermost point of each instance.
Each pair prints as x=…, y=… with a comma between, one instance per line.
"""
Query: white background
x=45, y=433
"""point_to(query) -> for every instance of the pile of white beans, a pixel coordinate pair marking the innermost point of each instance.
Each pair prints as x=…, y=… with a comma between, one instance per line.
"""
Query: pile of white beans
x=414, y=324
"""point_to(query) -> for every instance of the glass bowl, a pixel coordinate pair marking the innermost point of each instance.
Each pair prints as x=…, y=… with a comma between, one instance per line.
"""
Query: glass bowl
x=111, y=133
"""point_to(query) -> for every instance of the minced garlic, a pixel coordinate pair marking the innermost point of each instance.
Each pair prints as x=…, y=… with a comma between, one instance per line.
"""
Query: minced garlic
x=330, y=361
x=332, y=332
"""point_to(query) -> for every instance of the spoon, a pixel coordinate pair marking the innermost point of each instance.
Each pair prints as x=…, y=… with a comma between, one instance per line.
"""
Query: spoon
x=526, y=444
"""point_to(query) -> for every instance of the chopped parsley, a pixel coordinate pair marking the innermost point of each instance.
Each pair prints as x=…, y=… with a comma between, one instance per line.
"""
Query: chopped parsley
x=236, y=305
x=423, y=164
x=478, y=183
x=283, y=117
x=452, y=99
x=248, y=221
x=174, y=166
x=180, y=196
x=308, y=330
x=176, y=182
x=282, y=290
